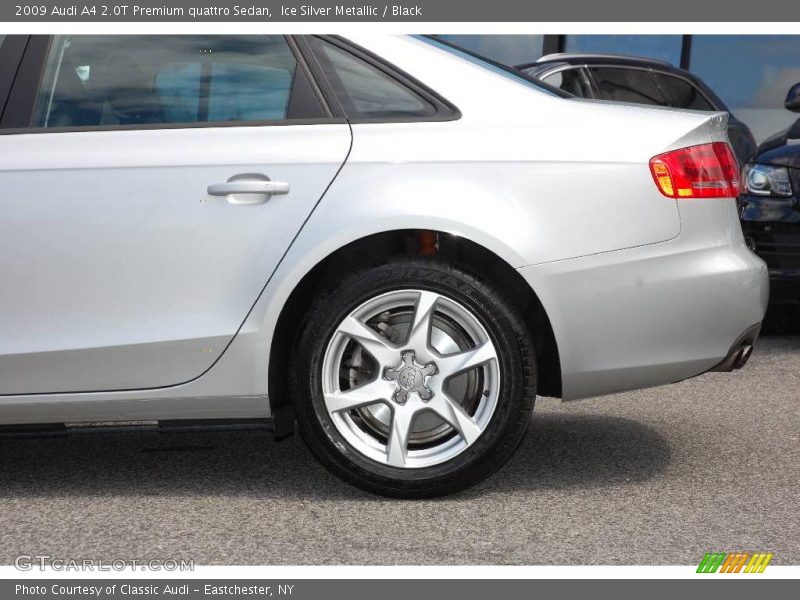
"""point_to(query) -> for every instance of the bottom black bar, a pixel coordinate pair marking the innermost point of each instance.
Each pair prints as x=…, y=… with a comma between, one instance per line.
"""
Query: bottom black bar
x=386, y=589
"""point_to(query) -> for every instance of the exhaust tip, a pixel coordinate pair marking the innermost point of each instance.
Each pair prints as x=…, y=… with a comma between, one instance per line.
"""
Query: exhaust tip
x=740, y=352
x=743, y=356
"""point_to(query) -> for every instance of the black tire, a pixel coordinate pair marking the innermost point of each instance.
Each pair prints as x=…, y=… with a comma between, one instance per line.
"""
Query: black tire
x=517, y=365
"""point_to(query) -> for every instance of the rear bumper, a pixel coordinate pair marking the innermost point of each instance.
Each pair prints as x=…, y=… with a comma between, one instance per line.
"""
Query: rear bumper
x=654, y=314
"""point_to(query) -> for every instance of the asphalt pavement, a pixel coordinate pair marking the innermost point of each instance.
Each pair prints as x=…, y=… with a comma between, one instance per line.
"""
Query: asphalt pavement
x=659, y=476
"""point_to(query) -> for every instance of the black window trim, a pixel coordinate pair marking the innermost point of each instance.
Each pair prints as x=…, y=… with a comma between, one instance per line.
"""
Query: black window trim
x=444, y=109
x=318, y=76
x=21, y=101
x=11, y=50
x=295, y=43
x=19, y=107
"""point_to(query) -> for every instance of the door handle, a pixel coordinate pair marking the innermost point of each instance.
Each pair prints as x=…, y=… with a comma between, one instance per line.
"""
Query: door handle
x=248, y=188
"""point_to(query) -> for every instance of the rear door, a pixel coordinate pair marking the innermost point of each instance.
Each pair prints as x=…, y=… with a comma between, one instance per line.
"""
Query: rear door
x=150, y=186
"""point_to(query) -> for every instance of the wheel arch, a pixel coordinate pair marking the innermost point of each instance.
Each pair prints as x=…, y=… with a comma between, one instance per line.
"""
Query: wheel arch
x=412, y=242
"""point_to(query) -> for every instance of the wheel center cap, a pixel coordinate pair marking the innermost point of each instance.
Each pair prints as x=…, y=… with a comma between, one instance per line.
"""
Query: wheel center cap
x=410, y=377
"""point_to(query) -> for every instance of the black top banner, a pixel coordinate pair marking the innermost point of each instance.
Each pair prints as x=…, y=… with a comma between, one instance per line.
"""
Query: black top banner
x=398, y=11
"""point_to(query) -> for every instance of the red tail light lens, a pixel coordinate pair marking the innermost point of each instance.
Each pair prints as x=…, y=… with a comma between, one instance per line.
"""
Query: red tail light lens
x=705, y=171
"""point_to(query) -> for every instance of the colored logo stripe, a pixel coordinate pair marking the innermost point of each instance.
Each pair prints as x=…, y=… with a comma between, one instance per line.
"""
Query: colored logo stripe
x=758, y=563
x=711, y=562
x=734, y=562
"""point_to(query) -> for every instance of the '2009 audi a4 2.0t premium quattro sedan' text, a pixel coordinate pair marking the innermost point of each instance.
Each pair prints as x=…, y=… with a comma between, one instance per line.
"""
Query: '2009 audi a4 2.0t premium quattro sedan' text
x=383, y=242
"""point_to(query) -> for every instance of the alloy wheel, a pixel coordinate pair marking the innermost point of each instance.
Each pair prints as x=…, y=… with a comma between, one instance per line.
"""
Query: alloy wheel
x=410, y=378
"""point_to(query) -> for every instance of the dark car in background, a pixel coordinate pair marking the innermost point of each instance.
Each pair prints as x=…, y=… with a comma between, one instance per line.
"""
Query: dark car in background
x=640, y=80
x=770, y=207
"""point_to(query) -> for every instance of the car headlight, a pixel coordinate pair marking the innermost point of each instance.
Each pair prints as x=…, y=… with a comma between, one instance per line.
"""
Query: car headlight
x=766, y=180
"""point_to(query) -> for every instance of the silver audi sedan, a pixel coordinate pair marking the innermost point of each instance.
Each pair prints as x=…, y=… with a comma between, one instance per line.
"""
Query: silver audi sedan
x=384, y=242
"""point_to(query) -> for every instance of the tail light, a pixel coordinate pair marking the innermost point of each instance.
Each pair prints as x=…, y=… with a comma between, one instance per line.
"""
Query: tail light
x=704, y=171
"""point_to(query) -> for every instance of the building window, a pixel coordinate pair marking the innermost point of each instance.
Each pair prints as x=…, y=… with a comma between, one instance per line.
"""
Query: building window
x=660, y=47
x=751, y=73
x=506, y=49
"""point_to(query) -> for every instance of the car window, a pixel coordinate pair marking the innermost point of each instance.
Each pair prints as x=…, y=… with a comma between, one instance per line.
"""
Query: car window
x=681, y=93
x=136, y=80
x=571, y=81
x=626, y=85
x=365, y=90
